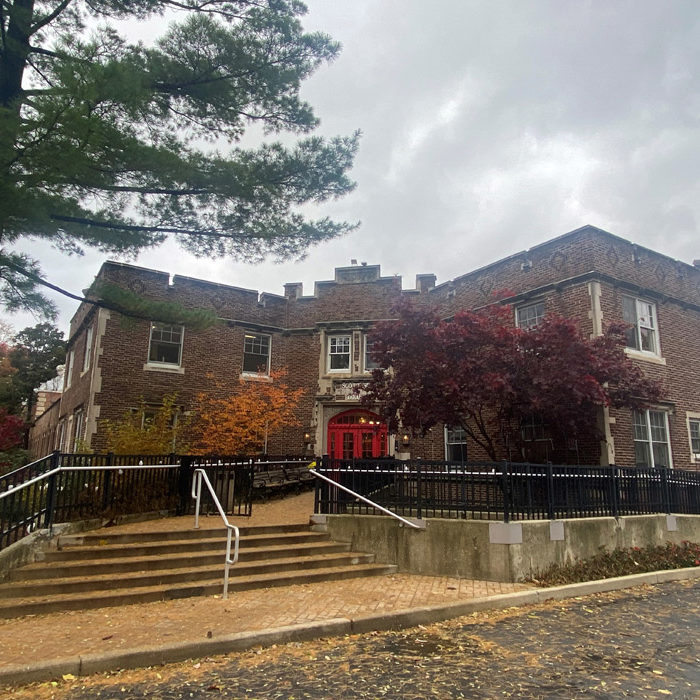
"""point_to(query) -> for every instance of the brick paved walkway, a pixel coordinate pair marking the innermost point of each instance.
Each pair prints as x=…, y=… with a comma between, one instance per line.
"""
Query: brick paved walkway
x=638, y=643
x=42, y=637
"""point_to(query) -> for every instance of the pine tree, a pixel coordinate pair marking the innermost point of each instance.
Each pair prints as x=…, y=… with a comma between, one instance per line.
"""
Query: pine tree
x=109, y=143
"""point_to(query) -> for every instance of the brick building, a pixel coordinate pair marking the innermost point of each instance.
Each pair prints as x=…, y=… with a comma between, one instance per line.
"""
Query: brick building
x=321, y=340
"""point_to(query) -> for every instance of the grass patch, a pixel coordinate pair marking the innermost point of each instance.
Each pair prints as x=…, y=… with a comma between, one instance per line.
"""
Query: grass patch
x=621, y=562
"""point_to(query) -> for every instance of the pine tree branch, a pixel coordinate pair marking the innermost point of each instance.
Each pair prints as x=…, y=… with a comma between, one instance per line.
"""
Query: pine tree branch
x=117, y=226
x=50, y=17
x=193, y=318
x=191, y=191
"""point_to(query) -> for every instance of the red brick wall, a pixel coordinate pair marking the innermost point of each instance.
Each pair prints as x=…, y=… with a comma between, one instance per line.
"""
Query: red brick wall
x=558, y=272
x=43, y=432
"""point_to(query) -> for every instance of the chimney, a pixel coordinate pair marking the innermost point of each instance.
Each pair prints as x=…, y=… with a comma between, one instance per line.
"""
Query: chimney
x=293, y=290
x=424, y=283
x=696, y=263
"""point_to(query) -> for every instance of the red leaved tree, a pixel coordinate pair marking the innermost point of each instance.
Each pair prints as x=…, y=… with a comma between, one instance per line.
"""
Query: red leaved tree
x=11, y=430
x=482, y=373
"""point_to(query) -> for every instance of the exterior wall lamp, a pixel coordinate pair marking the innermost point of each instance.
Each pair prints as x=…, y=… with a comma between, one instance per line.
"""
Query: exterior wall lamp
x=405, y=440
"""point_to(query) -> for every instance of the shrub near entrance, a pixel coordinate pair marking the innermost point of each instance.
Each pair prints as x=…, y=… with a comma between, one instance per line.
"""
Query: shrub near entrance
x=621, y=562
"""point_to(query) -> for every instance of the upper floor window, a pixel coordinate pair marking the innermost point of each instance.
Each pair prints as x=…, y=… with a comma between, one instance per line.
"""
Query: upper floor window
x=256, y=353
x=78, y=428
x=529, y=316
x=641, y=315
x=61, y=435
x=370, y=361
x=455, y=444
x=166, y=344
x=651, y=446
x=68, y=371
x=339, y=353
x=88, y=349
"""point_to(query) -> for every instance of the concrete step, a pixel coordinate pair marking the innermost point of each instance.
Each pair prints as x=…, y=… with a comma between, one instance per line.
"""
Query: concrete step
x=104, y=538
x=49, y=570
x=43, y=604
x=142, y=579
x=211, y=544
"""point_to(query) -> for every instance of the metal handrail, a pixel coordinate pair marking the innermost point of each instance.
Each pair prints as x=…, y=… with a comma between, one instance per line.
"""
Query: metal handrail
x=25, y=466
x=45, y=475
x=366, y=500
x=200, y=474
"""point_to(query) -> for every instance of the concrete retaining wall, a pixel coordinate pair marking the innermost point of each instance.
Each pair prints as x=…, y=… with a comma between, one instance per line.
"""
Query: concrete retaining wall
x=495, y=551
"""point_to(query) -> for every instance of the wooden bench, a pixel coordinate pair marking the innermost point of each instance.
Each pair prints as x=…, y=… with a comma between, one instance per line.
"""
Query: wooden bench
x=280, y=477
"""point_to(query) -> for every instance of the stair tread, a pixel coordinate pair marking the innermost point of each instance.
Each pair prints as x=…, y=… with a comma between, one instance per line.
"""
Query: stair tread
x=235, y=581
x=165, y=534
x=244, y=539
x=82, y=563
x=214, y=568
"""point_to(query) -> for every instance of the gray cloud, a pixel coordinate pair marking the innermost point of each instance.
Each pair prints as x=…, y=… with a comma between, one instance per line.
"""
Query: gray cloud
x=492, y=126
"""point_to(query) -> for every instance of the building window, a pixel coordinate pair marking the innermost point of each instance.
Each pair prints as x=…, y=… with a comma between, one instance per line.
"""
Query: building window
x=529, y=316
x=88, y=349
x=641, y=315
x=166, y=344
x=256, y=353
x=78, y=426
x=533, y=428
x=68, y=372
x=694, y=435
x=455, y=444
x=61, y=435
x=370, y=362
x=339, y=353
x=651, y=446
x=147, y=415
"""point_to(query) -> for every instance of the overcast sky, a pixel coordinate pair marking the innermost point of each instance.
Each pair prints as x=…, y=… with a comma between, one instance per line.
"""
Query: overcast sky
x=489, y=126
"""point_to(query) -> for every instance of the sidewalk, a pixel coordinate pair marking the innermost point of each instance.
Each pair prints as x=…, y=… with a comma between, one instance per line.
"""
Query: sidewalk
x=109, y=630
x=70, y=644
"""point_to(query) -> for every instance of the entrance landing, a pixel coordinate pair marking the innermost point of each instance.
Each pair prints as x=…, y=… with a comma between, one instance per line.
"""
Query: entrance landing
x=290, y=510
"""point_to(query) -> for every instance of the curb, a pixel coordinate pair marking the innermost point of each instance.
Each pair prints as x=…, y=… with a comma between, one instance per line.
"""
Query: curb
x=181, y=651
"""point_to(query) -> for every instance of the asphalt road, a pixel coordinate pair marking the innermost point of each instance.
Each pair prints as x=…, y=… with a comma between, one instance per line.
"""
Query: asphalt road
x=641, y=643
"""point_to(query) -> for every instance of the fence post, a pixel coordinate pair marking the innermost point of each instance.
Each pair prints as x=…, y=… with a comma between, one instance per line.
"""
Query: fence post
x=505, y=488
x=317, y=494
x=419, y=487
x=324, y=488
x=107, y=487
x=550, y=492
x=51, y=489
x=184, y=485
x=666, y=490
x=615, y=490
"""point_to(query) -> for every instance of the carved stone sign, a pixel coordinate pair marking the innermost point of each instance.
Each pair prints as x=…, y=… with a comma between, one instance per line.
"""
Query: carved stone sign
x=349, y=391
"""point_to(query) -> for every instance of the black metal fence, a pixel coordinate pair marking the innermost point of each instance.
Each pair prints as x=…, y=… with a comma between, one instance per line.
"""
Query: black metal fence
x=71, y=487
x=504, y=490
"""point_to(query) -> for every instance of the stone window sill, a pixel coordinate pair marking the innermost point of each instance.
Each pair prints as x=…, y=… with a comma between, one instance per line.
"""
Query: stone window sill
x=172, y=369
x=645, y=356
x=254, y=377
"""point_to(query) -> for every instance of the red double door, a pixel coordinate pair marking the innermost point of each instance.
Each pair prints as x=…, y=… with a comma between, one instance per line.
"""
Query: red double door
x=356, y=434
